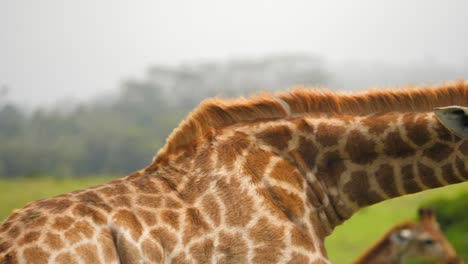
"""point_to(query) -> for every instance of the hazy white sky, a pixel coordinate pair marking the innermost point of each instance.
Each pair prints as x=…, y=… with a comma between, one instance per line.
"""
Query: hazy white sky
x=56, y=48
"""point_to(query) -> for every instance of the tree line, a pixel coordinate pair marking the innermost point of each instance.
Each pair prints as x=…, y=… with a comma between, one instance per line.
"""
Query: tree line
x=118, y=133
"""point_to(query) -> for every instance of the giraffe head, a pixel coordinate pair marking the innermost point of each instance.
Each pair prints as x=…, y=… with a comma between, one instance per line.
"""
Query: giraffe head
x=455, y=119
x=425, y=241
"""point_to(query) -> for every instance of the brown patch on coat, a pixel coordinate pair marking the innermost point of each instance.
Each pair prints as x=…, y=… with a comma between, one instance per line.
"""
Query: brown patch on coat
x=277, y=137
x=232, y=247
x=464, y=148
x=88, y=253
x=152, y=251
x=238, y=202
x=409, y=179
x=171, y=218
x=298, y=258
x=54, y=241
x=359, y=189
x=299, y=237
x=195, y=225
x=36, y=255
x=378, y=123
x=395, y=147
x=62, y=222
x=79, y=231
x=308, y=152
x=231, y=148
x=145, y=184
x=303, y=126
x=416, y=129
x=128, y=252
x=195, y=187
x=271, y=239
x=211, y=209
x=149, y=217
x=127, y=220
x=202, y=251
x=428, y=177
x=438, y=152
x=54, y=205
x=165, y=238
x=29, y=238
x=449, y=174
x=66, y=258
x=289, y=203
x=256, y=163
x=462, y=169
x=287, y=172
x=121, y=201
x=328, y=135
x=107, y=245
x=151, y=201
x=386, y=179
x=114, y=189
x=360, y=149
x=82, y=210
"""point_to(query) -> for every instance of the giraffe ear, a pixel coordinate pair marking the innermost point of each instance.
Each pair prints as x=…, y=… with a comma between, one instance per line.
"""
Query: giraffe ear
x=455, y=119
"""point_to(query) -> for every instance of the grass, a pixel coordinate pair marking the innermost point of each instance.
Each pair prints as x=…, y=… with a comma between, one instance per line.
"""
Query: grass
x=345, y=244
x=352, y=238
x=18, y=192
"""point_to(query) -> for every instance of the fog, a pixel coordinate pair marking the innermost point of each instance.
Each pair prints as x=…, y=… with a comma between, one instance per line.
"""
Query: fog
x=55, y=49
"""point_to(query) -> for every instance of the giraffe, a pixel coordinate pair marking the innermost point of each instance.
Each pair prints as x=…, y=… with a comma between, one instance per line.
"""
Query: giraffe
x=410, y=239
x=259, y=180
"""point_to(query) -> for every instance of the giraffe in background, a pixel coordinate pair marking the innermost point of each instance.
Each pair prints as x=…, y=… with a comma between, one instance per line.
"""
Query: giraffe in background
x=410, y=239
x=263, y=180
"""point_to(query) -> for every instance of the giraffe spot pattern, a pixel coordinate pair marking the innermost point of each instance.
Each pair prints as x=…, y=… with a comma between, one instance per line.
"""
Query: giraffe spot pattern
x=410, y=183
x=427, y=175
x=359, y=189
x=277, y=137
x=385, y=178
x=416, y=129
x=308, y=152
x=255, y=164
x=438, y=152
x=449, y=174
x=328, y=135
x=36, y=255
x=360, y=149
x=88, y=253
x=66, y=258
x=287, y=172
x=203, y=251
x=395, y=147
x=127, y=220
x=378, y=123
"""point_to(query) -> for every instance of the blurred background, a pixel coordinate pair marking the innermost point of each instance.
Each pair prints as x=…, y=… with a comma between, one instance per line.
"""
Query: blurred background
x=89, y=90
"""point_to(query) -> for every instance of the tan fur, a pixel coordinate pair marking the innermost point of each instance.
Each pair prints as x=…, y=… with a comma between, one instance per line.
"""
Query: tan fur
x=217, y=113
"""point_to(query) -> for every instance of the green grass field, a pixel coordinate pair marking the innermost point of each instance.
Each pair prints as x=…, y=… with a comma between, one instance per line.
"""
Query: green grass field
x=347, y=241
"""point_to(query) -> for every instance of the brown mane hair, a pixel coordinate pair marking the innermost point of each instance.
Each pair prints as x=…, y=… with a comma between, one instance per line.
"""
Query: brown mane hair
x=217, y=113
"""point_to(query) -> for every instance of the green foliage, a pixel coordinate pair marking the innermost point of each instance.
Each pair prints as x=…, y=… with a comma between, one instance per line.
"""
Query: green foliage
x=452, y=215
x=120, y=133
x=352, y=238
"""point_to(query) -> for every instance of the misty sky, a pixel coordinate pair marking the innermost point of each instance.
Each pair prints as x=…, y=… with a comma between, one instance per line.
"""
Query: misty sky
x=50, y=49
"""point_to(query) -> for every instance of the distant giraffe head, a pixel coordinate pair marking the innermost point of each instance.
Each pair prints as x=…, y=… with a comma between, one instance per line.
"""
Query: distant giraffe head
x=422, y=240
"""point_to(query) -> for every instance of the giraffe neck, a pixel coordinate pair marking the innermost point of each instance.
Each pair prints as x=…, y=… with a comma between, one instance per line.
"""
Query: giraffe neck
x=360, y=161
x=332, y=165
x=350, y=162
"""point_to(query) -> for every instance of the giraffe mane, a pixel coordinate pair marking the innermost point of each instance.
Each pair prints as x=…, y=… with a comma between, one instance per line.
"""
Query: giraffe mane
x=217, y=113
